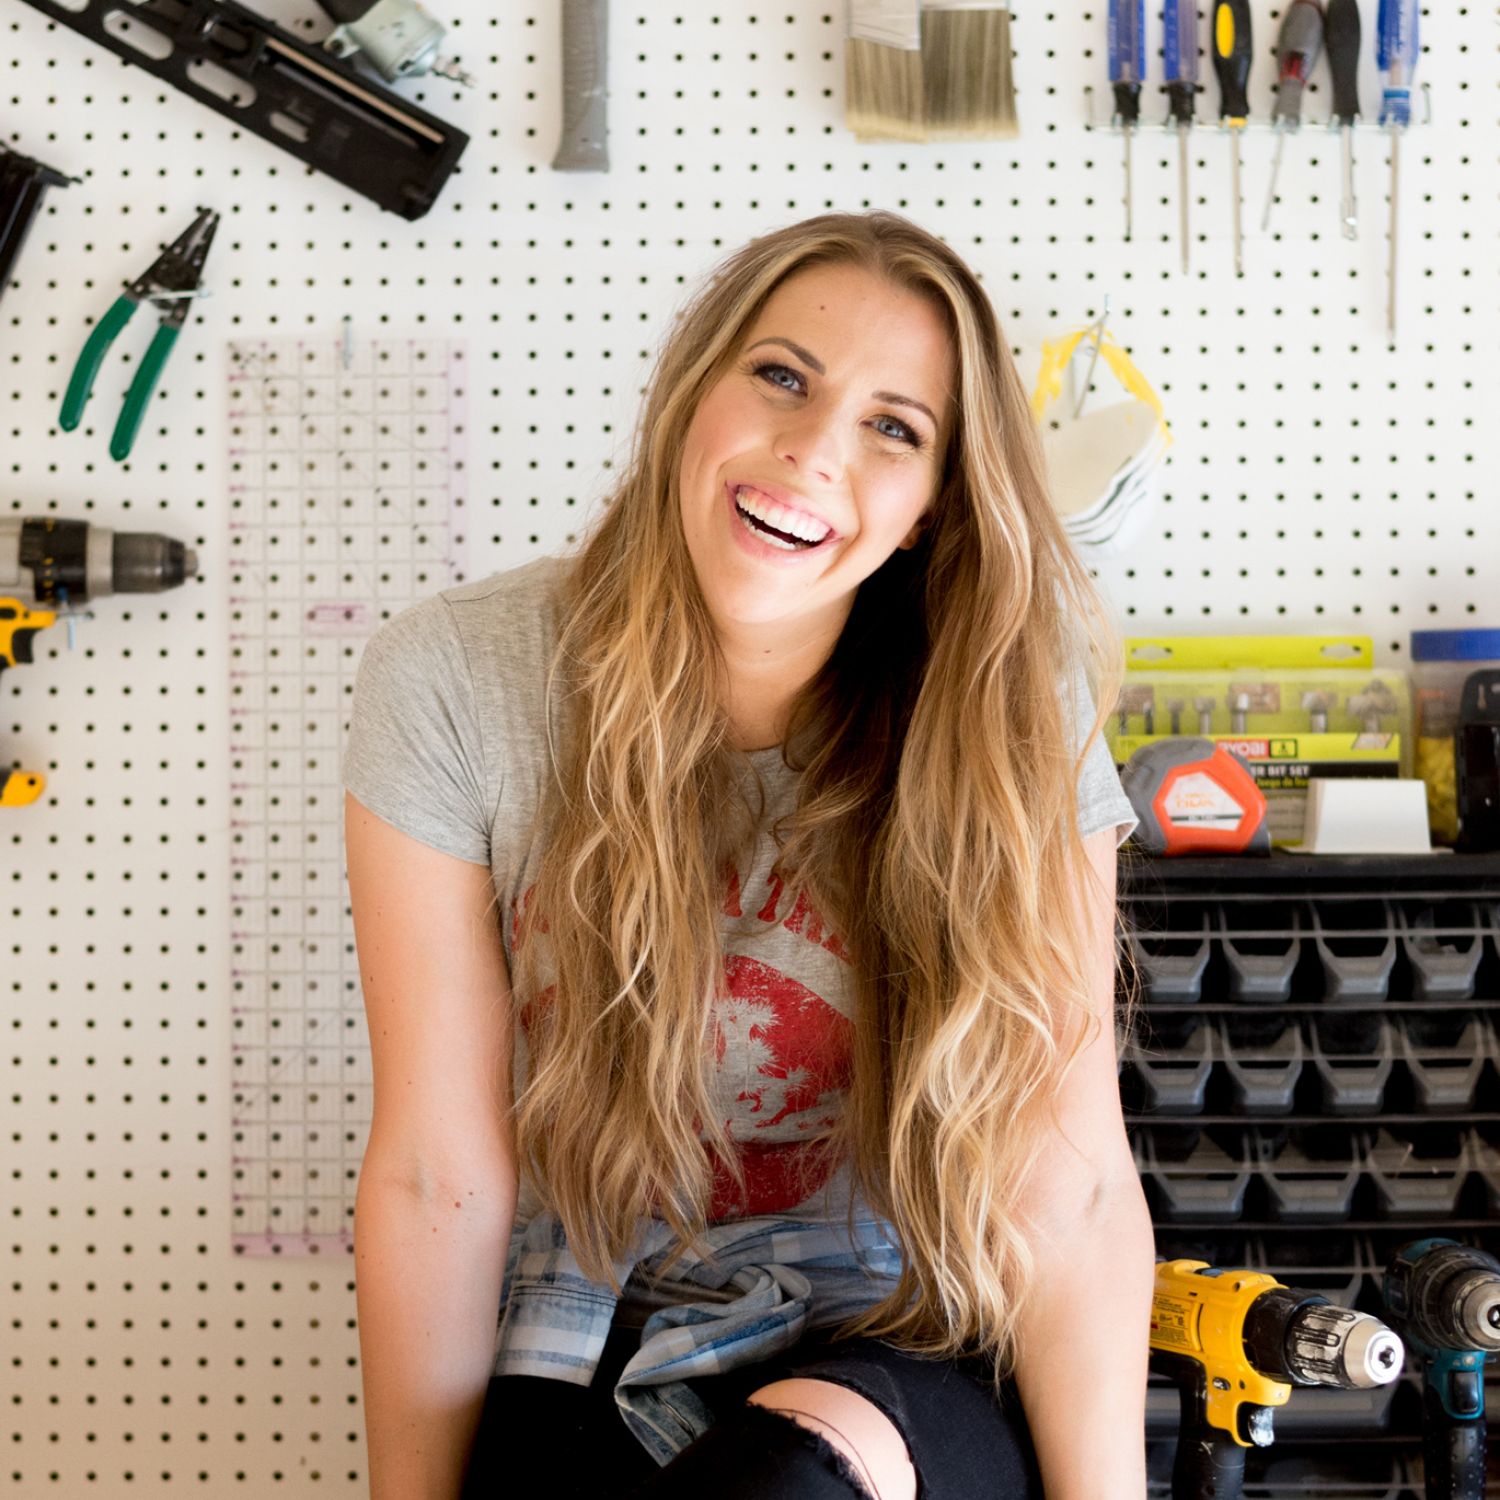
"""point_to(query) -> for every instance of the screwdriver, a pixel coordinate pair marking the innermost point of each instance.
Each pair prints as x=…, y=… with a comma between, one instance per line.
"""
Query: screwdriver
x=1232, y=64
x=1127, y=71
x=1342, y=35
x=1396, y=52
x=1180, y=60
x=1297, y=49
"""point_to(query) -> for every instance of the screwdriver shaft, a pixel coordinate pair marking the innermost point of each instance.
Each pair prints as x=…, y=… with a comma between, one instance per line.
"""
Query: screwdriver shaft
x=1397, y=51
x=1182, y=188
x=1234, y=184
x=1179, y=53
x=1349, y=209
x=1390, y=305
x=1265, y=218
x=1128, y=189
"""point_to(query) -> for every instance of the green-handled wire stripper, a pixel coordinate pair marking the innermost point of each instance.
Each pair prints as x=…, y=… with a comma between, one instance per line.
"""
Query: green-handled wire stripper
x=171, y=282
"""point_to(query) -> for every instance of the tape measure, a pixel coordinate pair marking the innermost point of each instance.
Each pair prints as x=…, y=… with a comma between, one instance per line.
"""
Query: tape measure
x=1192, y=795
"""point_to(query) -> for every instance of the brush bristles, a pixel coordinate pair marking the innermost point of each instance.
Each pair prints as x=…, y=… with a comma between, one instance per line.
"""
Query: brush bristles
x=958, y=87
x=967, y=73
x=883, y=90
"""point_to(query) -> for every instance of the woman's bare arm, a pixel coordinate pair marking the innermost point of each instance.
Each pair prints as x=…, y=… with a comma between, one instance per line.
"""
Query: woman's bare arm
x=1085, y=1333
x=437, y=1187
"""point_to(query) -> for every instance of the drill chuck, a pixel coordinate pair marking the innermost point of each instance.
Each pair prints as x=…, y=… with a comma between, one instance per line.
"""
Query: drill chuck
x=1448, y=1297
x=1303, y=1338
x=146, y=563
x=1477, y=1311
x=1330, y=1345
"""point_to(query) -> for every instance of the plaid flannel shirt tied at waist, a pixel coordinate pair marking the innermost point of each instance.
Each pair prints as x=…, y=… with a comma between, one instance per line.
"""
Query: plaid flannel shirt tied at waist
x=792, y=1275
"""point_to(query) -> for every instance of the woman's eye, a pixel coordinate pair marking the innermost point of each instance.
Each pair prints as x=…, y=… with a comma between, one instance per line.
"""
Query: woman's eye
x=776, y=369
x=906, y=434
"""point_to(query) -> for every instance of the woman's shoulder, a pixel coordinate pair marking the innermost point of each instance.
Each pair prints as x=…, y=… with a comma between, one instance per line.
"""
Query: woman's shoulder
x=530, y=585
x=507, y=620
x=497, y=630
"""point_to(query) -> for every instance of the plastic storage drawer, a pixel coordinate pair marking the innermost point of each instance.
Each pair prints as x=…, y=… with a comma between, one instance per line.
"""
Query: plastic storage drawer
x=1262, y=943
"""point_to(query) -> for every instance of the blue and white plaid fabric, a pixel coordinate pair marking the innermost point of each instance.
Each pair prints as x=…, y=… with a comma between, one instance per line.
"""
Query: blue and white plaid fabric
x=792, y=1275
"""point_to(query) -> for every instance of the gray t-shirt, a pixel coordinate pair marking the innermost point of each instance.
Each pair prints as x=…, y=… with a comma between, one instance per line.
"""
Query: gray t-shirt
x=448, y=743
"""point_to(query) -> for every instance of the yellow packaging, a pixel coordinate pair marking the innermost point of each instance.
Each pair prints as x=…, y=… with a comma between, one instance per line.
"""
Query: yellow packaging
x=1441, y=662
x=1292, y=707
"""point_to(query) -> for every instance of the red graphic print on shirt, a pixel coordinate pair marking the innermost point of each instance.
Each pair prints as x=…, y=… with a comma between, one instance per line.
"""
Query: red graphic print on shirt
x=782, y=1058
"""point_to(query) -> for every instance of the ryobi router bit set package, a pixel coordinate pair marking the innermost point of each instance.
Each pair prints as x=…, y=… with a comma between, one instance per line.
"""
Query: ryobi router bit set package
x=1291, y=707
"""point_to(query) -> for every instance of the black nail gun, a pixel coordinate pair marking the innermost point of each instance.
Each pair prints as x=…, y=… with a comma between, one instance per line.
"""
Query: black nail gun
x=22, y=182
x=296, y=95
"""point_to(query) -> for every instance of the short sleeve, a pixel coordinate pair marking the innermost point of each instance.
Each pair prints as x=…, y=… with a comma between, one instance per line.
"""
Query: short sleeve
x=414, y=755
x=1102, y=801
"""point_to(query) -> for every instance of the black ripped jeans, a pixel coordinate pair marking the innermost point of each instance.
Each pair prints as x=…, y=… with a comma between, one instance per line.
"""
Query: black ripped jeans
x=963, y=1442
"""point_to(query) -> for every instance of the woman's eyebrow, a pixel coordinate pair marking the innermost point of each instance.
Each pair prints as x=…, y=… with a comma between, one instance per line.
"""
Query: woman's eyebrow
x=817, y=365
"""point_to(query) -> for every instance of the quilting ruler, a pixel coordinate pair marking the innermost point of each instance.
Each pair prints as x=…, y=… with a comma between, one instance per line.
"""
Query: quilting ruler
x=346, y=482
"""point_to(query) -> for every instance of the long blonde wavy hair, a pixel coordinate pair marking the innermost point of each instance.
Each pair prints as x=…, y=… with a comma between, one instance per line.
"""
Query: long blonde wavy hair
x=935, y=825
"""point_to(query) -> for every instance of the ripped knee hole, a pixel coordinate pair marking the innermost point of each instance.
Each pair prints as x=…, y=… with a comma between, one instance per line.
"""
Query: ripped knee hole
x=848, y=1465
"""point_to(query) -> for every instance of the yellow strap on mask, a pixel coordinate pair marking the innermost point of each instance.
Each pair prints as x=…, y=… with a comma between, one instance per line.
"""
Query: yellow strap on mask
x=1056, y=356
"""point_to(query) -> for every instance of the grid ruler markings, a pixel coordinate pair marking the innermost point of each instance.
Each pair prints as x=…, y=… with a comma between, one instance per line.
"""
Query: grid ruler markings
x=346, y=474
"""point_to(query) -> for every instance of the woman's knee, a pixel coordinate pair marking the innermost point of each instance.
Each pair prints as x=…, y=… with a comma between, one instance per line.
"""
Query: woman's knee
x=855, y=1426
x=757, y=1451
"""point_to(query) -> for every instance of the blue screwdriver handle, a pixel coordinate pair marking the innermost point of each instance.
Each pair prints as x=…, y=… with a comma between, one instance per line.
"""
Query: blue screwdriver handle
x=1127, y=41
x=1127, y=55
x=1396, y=50
x=1180, y=56
x=1180, y=41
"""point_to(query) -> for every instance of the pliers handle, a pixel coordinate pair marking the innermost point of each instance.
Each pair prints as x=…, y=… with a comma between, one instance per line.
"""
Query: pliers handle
x=81, y=386
x=172, y=281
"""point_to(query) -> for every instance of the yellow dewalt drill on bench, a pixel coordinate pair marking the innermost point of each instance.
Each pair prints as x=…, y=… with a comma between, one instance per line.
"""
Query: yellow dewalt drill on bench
x=1235, y=1342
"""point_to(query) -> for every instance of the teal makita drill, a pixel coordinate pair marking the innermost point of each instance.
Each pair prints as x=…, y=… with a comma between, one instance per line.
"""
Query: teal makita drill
x=1445, y=1299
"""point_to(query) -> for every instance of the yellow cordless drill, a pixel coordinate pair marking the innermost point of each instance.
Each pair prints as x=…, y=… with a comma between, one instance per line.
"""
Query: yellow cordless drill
x=46, y=560
x=17, y=626
x=1234, y=1343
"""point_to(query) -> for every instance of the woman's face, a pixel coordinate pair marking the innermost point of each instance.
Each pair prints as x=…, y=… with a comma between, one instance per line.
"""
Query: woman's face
x=822, y=409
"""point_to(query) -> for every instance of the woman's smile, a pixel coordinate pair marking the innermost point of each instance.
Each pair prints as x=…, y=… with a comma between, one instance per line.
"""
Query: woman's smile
x=760, y=544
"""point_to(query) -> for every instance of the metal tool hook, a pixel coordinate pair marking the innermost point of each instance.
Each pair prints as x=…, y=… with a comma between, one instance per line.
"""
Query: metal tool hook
x=1095, y=333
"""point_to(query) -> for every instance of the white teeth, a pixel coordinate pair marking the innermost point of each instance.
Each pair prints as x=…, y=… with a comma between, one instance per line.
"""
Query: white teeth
x=765, y=536
x=779, y=516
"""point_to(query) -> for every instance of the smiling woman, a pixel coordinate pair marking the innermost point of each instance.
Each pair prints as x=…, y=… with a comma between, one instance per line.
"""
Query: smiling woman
x=811, y=939
x=809, y=448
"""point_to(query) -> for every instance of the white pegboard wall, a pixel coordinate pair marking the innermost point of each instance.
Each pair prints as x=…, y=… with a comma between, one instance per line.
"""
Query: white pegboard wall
x=1318, y=480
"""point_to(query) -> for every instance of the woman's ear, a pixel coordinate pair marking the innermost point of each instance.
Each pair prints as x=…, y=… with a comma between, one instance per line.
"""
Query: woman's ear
x=914, y=536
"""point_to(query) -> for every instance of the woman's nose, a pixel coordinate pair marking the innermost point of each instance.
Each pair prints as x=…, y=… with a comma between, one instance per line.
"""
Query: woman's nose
x=813, y=441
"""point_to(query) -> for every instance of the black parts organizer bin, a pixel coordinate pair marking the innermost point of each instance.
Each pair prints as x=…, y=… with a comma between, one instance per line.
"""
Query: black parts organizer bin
x=1313, y=1080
